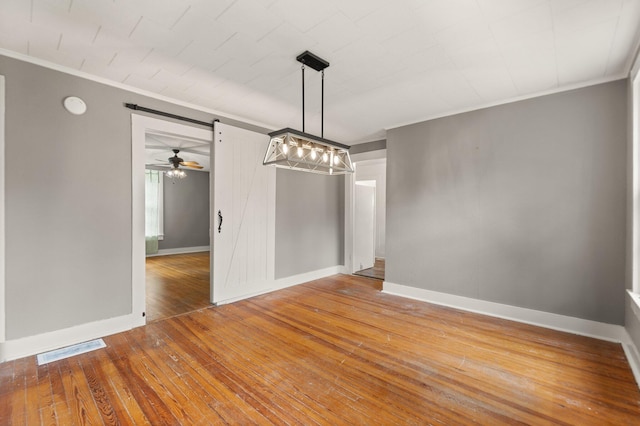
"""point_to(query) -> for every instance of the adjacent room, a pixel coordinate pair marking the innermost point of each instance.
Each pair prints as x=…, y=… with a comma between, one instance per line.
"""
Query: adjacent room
x=177, y=264
x=340, y=212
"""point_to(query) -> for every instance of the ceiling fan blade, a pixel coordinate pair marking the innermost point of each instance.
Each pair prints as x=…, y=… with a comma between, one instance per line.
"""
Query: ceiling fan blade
x=159, y=165
x=189, y=163
x=193, y=166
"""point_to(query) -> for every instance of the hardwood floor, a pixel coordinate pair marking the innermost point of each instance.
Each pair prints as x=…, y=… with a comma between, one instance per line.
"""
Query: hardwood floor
x=176, y=284
x=376, y=272
x=334, y=351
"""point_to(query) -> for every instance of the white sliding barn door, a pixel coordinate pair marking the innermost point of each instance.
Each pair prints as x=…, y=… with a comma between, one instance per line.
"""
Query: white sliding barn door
x=243, y=215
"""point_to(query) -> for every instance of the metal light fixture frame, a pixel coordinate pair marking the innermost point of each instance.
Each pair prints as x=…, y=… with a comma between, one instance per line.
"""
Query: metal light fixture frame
x=292, y=149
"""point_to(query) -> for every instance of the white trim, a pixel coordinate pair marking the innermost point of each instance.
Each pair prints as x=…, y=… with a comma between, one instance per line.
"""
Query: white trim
x=635, y=183
x=179, y=250
x=370, y=157
x=583, y=327
x=633, y=357
x=349, y=213
x=132, y=89
x=581, y=85
x=635, y=303
x=291, y=281
x=140, y=125
x=3, y=322
x=33, y=345
x=633, y=62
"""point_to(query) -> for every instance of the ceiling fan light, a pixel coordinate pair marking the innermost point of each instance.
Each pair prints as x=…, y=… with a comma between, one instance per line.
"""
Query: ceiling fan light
x=176, y=173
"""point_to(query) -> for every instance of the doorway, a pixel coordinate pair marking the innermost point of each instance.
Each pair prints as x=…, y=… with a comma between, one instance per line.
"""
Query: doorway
x=177, y=267
x=368, y=189
x=177, y=214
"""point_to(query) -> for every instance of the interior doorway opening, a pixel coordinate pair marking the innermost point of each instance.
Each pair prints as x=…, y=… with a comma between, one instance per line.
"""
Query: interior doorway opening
x=177, y=277
x=177, y=211
x=369, y=209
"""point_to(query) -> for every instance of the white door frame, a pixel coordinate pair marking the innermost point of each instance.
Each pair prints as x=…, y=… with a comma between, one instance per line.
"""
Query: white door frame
x=3, y=323
x=349, y=203
x=140, y=125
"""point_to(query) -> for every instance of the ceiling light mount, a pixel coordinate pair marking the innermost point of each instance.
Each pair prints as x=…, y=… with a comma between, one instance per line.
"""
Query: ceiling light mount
x=292, y=149
x=309, y=59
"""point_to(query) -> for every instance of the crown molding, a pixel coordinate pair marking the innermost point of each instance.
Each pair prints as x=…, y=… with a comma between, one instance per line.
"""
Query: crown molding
x=478, y=107
x=81, y=74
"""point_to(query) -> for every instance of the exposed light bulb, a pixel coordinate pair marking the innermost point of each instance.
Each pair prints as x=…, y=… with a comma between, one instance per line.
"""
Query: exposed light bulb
x=300, y=152
x=176, y=173
x=313, y=154
x=285, y=148
x=336, y=160
x=325, y=157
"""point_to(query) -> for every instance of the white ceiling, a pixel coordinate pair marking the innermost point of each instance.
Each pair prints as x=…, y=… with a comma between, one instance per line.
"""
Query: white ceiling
x=158, y=149
x=392, y=62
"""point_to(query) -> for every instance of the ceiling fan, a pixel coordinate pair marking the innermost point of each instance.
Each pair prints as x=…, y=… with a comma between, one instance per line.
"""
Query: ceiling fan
x=175, y=161
x=174, y=165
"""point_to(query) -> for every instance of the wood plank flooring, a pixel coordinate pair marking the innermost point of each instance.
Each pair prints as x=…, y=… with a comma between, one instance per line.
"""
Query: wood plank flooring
x=376, y=272
x=334, y=351
x=176, y=284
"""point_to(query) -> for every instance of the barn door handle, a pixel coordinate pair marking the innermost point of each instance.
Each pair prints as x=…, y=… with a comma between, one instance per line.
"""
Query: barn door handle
x=219, y=221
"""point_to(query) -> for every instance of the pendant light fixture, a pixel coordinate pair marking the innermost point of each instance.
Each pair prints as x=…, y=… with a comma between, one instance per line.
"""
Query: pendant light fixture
x=292, y=149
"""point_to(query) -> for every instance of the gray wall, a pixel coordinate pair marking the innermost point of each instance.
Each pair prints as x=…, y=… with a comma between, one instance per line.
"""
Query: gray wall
x=186, y=211
x=521, y=204
x=309, y=222
x=68, y=201
x=368, y=147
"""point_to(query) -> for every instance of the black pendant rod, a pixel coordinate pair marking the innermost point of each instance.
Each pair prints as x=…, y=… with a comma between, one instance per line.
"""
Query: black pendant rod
x=168, y=114
x=318, y=64
x=322, y=109
x=303, y=98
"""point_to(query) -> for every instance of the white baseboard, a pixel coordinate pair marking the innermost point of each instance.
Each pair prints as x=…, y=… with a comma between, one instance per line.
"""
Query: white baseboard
x=583, y=327
x=32, y=345
x=282, y=283
x=285, y=282
x=179, y=250
x=631, y=351
x=599, y=330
